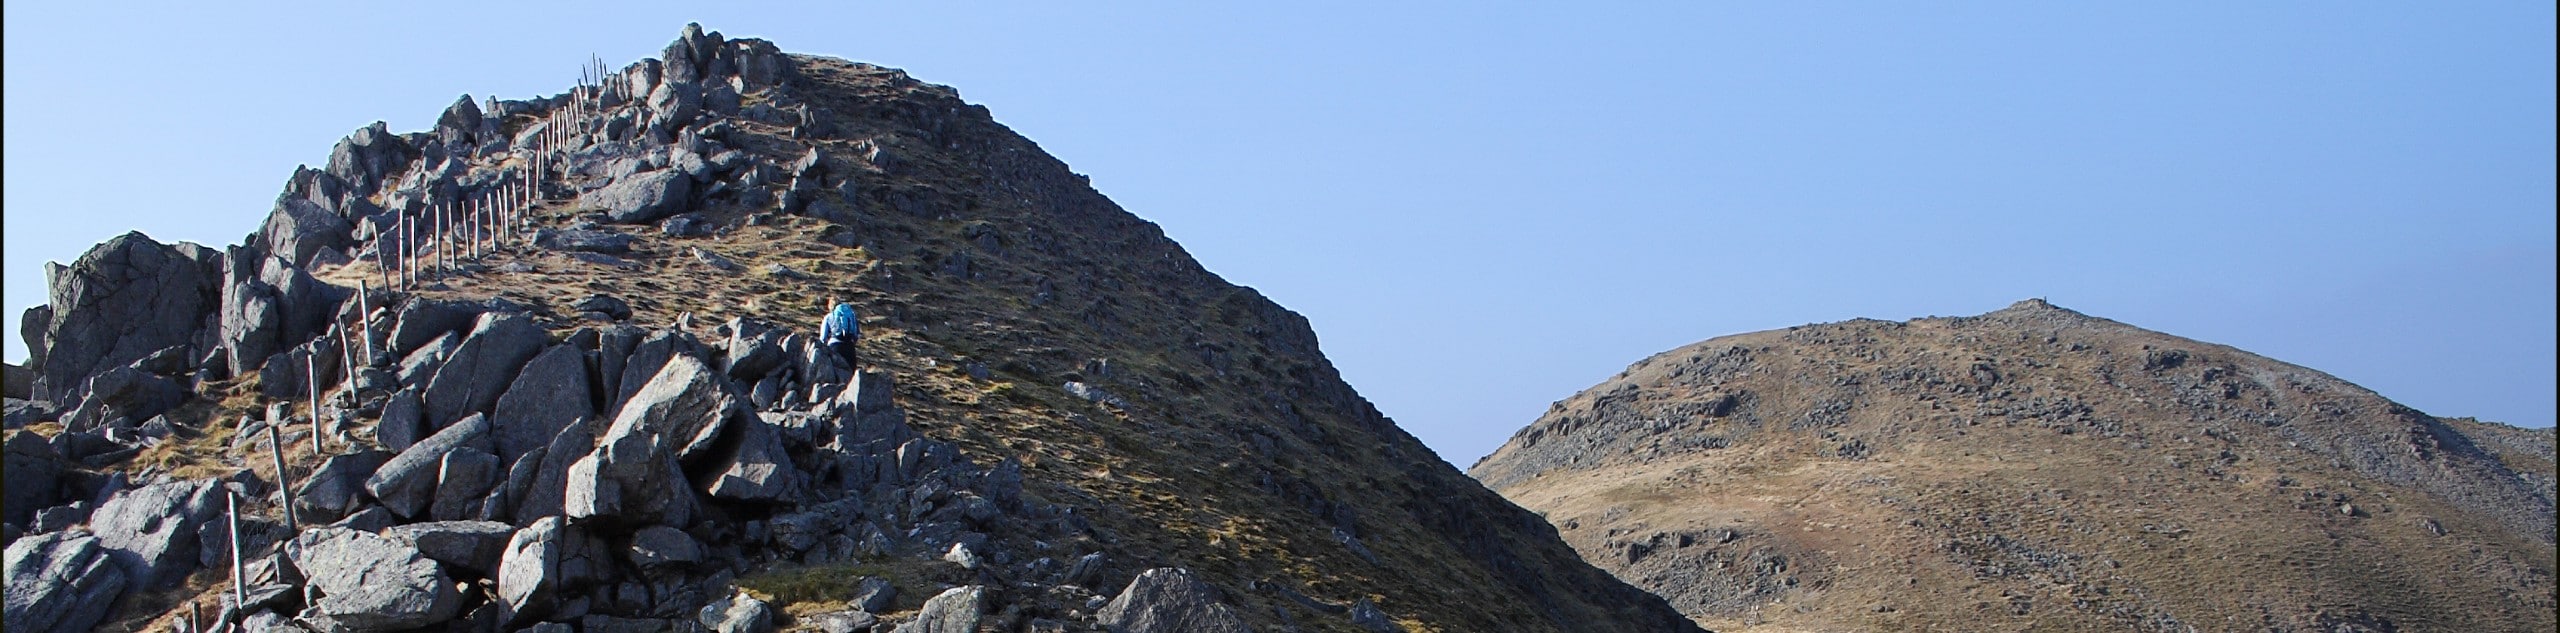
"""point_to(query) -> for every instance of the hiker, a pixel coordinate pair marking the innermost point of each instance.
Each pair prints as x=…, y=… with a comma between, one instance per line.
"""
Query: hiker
x=840, y=331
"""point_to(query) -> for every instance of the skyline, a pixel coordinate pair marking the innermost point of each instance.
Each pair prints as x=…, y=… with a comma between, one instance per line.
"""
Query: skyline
x=1482, y=211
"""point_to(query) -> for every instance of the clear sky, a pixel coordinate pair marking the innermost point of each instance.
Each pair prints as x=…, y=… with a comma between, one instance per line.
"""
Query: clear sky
x=1484, y=210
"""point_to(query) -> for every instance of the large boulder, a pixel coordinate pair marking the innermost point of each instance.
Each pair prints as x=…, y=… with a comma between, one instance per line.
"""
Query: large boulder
x=123, y=300
x=125, y=393
x=269, y=304
x=1169, y=600
x=331, y=490
x=646, y=358
x=298, y=229
x=463, y=479
x=552, y=392
x=544, y=563
x=406, y=484
x=756, y=467
x=460, y=124
x=740, y=613
x=755, y=347
x=403, y=421
x=150, y=531
x=957, y=610
x=60, y=583
x=33, y=476
x=369, y=582
x=633, y=473
x=423, y=320
x=364, y=158
x=547, y=493
x=482, y=366
x=473, y=546
x=643, y=197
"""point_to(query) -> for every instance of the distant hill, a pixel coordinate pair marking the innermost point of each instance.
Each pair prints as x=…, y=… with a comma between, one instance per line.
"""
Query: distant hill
x=2036, y=469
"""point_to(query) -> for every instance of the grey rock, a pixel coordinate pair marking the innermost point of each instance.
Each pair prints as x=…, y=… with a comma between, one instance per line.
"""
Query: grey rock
x=757, y=467
x=60, y=583
x=649, y=356
x=961, y=555
x=406, y=484
x=714, y=260
x=287, y=376
x=632, y=475
x=463, y=477
x=685, y=225
x=460, y=123
x=1365, y=614
x=330, y=491
x=1169, y=600
x=643, y=197
x=368, y=582
x=660, y=547
x=1085, y=570
x=546, y=495
x=121, y=301
x=124, y=394
x=544, y=566
x=957, y=610
x=738, y=613
x=403, y=421
x=33, y=477
x=298, y=230
x=874, y=594
x=423, y=320
x=1093, y=394
x=552, y=392
x=150, y=531
x=472, y=546
x=610, y=305
x=872, y=392
x=258, y=537
x=369, y=519
x=421, y=364
x=755, y=348
x=24, y=412
x=691, y=165
x=482, y=366
x=584, y=240
x=842, y=621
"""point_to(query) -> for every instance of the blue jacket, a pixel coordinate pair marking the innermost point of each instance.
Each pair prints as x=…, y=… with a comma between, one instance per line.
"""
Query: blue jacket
x=840, y=325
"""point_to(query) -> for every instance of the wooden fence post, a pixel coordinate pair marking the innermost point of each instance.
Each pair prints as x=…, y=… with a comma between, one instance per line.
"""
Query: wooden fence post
x=284, y=481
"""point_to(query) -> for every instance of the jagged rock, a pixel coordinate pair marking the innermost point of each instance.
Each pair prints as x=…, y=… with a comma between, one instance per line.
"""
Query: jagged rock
x=872, y=392
x=842, y=621
x=608, y=304
x=874, y=594
x=24, y=412
x=122, y=300
x=739, y=613
x=481, y=367
x=648, y=357
x=961, y=555
x=546, y=494
x=365, y=157
x=758, y=62
x=643, y=197
x=258, y=537
x=403, y=421
x=552, y=392
x=472, y=546
x=299, y=230
x=368, y=582
x=1169, y=600
x=1093, y=394
x=462, y=478
x=424, y=320
x=659, y=547
x=799, y=531
x=584, y=240
x=287, y=376
x=957, y=610
x=33, y=477
x=331, y=489
x=369, y=519
x=60, y=583
x=406, y=484
x=460, y=124
x=544, y=565
x=1365, y=614
x=755, y=348
x=632, y=475
x=676, y=102
x=150, y=531
x=125, y=393
x=420, y=366
x=685, y=225
x=757, y=468
x=269, y=304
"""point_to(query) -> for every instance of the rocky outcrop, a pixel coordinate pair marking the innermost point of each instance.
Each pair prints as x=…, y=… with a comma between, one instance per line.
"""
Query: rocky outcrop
x=957, y=610
x=633, y=474
x=642, y=198
x=369, y=582
x=299, y=229
x=150, y=532
x=123, y=300
x=60, y=583
x=406, y=484
x=551, y=393
x=1169, y=601
x=478, y=372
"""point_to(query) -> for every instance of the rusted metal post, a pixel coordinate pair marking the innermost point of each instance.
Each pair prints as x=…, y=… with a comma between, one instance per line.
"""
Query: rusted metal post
x=284, y=480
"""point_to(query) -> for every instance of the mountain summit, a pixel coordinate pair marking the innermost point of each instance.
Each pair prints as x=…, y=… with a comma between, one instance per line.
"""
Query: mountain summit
x=563, y=355
x=2037, y=469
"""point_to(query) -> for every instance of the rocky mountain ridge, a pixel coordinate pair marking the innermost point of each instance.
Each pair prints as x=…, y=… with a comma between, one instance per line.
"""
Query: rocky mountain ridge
x=2035, y=468
x=538, y=369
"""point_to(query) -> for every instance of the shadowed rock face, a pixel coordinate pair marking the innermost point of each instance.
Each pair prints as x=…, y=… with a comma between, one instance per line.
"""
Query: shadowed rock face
x=2038, y=466
x=1205, y=435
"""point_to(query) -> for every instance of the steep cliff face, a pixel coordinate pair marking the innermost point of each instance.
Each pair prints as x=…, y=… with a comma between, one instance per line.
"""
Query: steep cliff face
x=2035, y=468
x=617, y=393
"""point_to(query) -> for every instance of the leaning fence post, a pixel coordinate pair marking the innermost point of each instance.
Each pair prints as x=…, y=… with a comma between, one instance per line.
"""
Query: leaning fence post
x=284, y=481
x=239, y=571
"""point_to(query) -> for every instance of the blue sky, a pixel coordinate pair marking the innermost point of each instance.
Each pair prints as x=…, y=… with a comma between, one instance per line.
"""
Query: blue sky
x=1484, y=209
